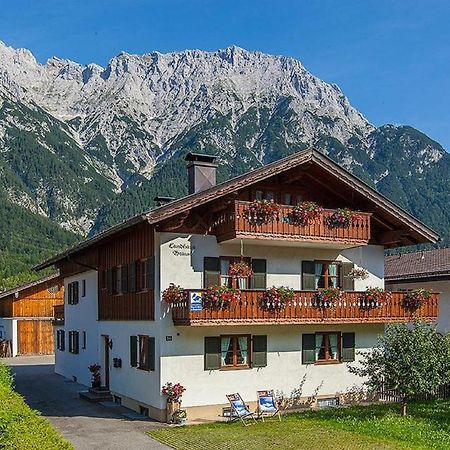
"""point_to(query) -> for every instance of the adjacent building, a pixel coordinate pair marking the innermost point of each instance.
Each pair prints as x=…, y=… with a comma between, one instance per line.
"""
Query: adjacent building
x=26, y=314
x=114, y=314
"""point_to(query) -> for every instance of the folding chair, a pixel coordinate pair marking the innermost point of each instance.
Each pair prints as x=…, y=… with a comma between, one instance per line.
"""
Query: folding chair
x=267, y=405
x=239, y=409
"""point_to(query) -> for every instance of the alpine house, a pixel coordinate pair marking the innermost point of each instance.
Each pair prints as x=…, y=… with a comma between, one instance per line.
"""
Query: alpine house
x=251, y=284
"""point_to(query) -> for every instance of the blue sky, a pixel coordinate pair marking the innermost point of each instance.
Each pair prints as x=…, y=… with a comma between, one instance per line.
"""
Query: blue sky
x=391, y=58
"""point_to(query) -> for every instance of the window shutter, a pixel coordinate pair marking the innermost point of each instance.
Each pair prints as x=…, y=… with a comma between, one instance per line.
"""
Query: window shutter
x=212, y=353
x=259, y=353
x=212, y=271
x=83, y=288
x=75, y=292
x=77, y=342
x=151, y=273
x=347, y=284
x=70, y=342
x=348, y=347
x=69, y=293
x=259, y=268
x=308, y=348
x=133, y=351
x=308, y=276
x=109, y=281
x=124, y=287
x=151, y=353
x=132, y=270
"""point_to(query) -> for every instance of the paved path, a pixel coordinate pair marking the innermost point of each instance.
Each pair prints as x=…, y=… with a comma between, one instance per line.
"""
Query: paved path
x=88, y=426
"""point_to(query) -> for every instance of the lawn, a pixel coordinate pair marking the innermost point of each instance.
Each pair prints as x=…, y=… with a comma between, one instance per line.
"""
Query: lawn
x=22, y=428
x=357, y=428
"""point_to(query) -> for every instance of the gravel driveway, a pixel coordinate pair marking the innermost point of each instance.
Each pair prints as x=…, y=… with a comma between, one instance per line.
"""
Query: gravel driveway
x=86, y=425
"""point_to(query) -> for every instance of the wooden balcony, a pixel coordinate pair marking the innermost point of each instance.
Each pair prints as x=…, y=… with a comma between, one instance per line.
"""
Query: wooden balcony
x=302, y=311
x=58, y=315
x=231, y=224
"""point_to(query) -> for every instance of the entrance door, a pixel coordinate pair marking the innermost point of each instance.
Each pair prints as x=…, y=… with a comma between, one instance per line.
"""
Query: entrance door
x=106, y=360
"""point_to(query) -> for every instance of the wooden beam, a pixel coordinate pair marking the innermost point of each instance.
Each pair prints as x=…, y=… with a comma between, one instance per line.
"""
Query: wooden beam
x=393, y=237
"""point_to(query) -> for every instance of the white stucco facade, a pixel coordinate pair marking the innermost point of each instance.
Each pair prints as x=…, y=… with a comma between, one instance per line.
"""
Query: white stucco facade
x=8, y=331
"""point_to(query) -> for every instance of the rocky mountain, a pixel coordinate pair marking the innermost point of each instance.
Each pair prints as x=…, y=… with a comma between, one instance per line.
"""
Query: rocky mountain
x=87, y=146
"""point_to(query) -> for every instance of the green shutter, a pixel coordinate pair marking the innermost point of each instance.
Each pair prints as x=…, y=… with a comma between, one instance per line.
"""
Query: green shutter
x=347, y=283
x=348, y=347
x=75, y=292
x=259, y=353
x=212, y=271
x=308, y=276
x=259, y=268
x=151, y=353
x=124, y=279
x=132, y=271
x=308, y=348
x=151, y=273
x=133, y=351
x=212, y=353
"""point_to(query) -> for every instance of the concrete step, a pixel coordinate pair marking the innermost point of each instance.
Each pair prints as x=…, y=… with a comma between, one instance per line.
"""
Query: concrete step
x=97, y=396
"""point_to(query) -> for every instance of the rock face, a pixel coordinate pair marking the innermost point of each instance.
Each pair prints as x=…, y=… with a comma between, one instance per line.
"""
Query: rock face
x=102, y=141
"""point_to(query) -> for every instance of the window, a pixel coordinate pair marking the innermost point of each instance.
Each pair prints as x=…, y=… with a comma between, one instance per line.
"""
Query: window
x=118, y=287
x=74, y=342
x=72, y=293
x=328, y=347
x=61, y=340
x=265, y=195
x=142, y=352
x=83, y=288
x=291, y=199
x=235, y=352
x=326, y=275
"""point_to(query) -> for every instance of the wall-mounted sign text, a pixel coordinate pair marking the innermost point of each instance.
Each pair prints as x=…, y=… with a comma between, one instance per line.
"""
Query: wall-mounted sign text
x=182, y=249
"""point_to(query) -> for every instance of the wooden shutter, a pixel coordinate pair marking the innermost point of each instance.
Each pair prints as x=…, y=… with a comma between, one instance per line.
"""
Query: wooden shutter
x=259, y=353
x=151, y=273
x=109, y=281
x=211, y=271
x=75, y=292
x=259, y=280
x=347, y=283
x=132, y=273
x=70, y=342
x=308, y=348
x=124, y=280
x=348, y=347
x=151, y=357
x=308, y=276
x=212, y=353
x=83, y=288
x=133, y=351
x=76, y=346
x=69, y=293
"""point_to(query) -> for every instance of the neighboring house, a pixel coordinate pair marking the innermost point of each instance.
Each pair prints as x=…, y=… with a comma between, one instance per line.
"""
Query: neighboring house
x=114, y=314
x=26, y=314
x=429, y=269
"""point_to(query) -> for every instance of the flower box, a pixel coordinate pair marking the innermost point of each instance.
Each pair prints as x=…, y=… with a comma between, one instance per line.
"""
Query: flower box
x=415, y=298
x=220, y=297
x=341, y=218
x=275, y=298
x=303, y=214
x=261, y=212
x=327, y=298
x=174, y=294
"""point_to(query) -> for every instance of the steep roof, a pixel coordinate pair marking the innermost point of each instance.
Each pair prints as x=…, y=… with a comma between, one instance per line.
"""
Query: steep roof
x=298, y=159
x=18, y=289
x=422, y=264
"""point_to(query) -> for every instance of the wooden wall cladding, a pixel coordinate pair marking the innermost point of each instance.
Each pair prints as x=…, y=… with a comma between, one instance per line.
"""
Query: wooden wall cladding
x=78, y=263
x=135, y=244
x=35, y=337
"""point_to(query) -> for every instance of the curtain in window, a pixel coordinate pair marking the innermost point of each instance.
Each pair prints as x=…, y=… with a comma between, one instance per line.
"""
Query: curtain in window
x=320, y=275
x=333, y=346
x=242, y=350
x=226, y=351
x=320, y=346
x=225, y=280
x=332, y=275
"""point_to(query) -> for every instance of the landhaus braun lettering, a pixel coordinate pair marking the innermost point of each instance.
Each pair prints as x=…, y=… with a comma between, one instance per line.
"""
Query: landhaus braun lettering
x=180, y=249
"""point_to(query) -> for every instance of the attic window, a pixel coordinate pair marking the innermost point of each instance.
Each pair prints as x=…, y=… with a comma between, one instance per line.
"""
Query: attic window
x=53, y=289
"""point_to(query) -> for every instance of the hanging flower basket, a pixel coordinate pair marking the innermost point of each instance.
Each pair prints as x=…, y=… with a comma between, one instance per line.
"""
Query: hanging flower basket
x=220, y=297
x=358, y=273
x=341, y=218
x=415, y=298
x=174, y=294
x=303, y=214
x=240, y=270
x=327, y=298
x=275, y=298
x=374, y=298
x=261, y=212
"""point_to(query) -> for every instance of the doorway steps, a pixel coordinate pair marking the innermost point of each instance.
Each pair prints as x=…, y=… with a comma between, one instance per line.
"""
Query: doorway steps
x=96, y=395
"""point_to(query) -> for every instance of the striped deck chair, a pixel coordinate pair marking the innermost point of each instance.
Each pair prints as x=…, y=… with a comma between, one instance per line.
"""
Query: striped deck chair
x=267, y=405
x=239, y=409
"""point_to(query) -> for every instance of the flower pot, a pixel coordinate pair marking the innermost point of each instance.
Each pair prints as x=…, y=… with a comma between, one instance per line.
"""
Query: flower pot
x=172, y=406
x=96, y=383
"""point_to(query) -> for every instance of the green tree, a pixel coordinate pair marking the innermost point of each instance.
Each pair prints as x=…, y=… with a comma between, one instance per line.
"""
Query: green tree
x=412, y=359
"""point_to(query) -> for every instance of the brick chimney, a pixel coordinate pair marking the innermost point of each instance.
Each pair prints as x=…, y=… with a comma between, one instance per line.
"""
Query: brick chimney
x=201, y=172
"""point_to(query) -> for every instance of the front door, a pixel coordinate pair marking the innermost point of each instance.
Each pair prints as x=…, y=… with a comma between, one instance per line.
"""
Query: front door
x=106, y=342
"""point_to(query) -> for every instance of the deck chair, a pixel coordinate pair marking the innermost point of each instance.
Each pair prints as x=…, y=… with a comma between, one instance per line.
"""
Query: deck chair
x=239, y=409
x=267, y=405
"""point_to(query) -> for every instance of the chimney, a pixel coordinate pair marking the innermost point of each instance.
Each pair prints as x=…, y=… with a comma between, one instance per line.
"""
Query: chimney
x=201, y=172
x=160, y=201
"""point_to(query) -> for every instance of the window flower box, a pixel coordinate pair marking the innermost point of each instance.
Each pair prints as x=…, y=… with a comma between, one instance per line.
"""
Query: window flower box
x=261, y=212
x=303, y=214
x=327, y=298
x=275, y=298
x=415, y=298
x=220, y=297
x=341, y=218
x=174, y=294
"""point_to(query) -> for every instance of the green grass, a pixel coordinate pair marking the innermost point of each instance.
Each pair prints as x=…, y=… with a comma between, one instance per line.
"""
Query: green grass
x=357, y=428
x=22, y=428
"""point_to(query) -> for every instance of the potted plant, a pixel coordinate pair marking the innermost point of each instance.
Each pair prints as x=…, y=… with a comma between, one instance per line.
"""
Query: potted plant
x=304, y=213
x=220, y=297
x=374, y=298
x=358, y=273
x=179, y=417
x=261, y=212
x=275, y=298
x=96, y=378
x=341, y=218
x=174, y=294
x=173, y=392
x=327, y=298
x=415, y=298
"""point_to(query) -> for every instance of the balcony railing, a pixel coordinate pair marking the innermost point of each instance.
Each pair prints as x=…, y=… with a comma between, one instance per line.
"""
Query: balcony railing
x=231, y=223
x=58, y=315
x=352, y=309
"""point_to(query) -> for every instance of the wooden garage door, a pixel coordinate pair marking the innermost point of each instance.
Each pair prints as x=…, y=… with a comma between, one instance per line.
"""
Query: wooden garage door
x=35, y=337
